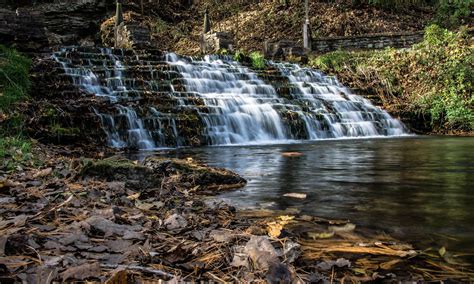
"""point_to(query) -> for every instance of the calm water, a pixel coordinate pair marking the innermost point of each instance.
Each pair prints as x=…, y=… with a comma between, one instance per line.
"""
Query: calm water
x=420, y=189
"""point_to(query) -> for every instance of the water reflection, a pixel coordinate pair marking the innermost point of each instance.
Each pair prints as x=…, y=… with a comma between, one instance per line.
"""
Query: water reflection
x=415, y=188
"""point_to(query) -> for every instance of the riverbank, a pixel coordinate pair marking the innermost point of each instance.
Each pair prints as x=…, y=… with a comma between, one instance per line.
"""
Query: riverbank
x=120, y=220
x=428, y=86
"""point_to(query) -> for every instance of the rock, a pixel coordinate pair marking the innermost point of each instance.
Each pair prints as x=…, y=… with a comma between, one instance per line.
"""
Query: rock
x=240, y=258
x=110, y=228
x=213, y=42
x=327, y=265
x=221, y=236
x=152, y=172
x=279, y=273
x=199, y=235
x=261, y=252
x=291, y=251
x=283, y=48
x=48, y=25
x=175, y=222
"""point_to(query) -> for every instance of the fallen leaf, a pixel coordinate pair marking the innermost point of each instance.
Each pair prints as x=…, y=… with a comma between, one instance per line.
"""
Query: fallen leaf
x=291, y=154
x=295, y=195
x=82, y=272
x=390, y=264
x=342, y=229
x=43, y=173
x=134, y=196
x=442, y=251
x=3, y=242
x=323, y=235
x=119, y=276
x=274, y=229
x=327, y=265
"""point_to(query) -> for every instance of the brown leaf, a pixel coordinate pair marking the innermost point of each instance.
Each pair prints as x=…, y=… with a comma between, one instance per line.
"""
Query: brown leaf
x=3, y=242
x=82, y=272
x=43, y=173
x=119, y=276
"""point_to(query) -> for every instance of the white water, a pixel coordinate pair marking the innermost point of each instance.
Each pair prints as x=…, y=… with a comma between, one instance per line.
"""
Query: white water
x=233, y=104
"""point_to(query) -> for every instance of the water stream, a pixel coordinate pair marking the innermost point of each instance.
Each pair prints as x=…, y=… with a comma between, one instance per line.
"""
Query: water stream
x=164, y=100
x=419, y=189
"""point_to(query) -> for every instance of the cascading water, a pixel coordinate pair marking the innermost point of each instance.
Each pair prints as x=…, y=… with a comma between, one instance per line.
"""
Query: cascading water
x=344, y=114
x=163, y=100
x=238, y=104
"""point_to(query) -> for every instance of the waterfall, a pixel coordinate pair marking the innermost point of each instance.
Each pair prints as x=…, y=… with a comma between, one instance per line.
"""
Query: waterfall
x=164, y=100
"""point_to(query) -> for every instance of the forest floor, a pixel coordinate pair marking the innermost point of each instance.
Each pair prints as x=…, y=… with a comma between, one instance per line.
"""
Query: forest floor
x=64, y=217
x=179, y=29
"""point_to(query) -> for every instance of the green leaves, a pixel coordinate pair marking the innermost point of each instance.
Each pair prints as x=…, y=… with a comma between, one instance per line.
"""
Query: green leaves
x=434, y=77
x=258, y=61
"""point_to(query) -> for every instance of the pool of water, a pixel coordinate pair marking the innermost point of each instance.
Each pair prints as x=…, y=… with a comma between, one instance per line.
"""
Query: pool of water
x=416, y=188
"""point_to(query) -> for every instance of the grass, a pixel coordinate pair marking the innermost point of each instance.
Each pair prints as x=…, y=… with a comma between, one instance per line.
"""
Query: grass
x=434, y=78
x=14, y=81
x=258, y=60
x=14, y=87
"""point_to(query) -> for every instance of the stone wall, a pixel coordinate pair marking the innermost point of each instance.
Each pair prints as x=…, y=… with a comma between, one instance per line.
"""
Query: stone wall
x=45, y=26
x=376, y=41
x=213, y=42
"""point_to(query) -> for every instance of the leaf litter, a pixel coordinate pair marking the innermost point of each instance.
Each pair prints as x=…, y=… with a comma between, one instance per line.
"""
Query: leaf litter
x=118, y=221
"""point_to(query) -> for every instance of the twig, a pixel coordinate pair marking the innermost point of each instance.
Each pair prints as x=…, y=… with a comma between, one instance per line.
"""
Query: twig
x=54, y=208
x=139, y=268
x=215, y=277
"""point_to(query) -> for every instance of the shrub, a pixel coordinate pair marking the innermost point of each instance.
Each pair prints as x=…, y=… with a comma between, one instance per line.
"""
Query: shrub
x=258, y=61
x=434, y=77
x=451, y=13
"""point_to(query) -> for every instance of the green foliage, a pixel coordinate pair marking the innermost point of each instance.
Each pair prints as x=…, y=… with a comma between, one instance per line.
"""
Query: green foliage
x=160, y=26
x=451, y=13
x=14, y=81
x=434, y=77
x=14, y=87
x=396, y=4
x=223, y=51
x=13, y=151
x=334, y=60
x=258, y=61
x=444, y=60
x=239, y=56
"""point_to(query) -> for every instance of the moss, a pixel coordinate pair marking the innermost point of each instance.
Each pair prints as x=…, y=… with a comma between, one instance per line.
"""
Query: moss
x=65, y=131
x=154, y=170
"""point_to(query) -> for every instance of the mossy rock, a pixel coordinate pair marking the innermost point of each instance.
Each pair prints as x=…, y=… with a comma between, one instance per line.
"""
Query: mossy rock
x=152, y=172
x=196, y=175
x=121, y=169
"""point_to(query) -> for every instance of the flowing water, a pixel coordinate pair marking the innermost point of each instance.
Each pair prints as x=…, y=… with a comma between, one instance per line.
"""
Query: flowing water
x=419, y=189
x=165, y=100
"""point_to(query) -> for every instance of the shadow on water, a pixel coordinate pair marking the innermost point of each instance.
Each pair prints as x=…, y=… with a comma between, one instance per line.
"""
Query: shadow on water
x=418, y=189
